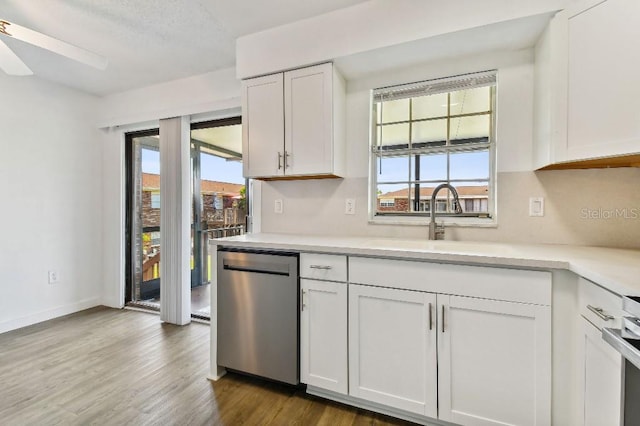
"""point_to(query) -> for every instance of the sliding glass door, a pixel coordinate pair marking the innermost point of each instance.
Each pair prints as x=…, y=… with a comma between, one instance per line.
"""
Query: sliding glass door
x=219, y=206
x=219, y=198
x=143, y=218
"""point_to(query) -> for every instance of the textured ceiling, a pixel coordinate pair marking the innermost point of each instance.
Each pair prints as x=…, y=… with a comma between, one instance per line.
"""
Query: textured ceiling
x=146, y=41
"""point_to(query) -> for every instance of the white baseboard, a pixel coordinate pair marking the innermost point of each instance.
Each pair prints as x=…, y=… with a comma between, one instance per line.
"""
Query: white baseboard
x=220, y=372
x=111, y=304
x=48, y=314
x=378, y=408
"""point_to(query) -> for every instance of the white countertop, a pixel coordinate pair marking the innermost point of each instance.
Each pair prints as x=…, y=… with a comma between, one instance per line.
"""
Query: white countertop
x=615, y=269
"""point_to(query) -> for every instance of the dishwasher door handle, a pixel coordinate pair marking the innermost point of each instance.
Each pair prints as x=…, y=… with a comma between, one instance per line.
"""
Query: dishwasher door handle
x=257, y=269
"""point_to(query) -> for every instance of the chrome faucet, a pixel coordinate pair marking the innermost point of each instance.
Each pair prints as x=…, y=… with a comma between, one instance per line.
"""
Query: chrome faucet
x=436, y=232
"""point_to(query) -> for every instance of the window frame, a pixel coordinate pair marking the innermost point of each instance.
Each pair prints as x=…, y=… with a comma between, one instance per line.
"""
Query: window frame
x=419, y=218
x=155, y=199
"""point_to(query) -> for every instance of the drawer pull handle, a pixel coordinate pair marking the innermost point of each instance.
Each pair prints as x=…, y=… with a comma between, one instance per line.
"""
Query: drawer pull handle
x=600, y=313
x=326, y=267
x=443, y=318
x=430, y=318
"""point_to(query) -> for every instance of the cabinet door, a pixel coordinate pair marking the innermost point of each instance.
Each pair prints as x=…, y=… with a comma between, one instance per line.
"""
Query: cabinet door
x=494, y=361
x=599, y=380
x=603, y=69
x=263, y=126
x=308, y=94
x=323, y=335
x=392, y=348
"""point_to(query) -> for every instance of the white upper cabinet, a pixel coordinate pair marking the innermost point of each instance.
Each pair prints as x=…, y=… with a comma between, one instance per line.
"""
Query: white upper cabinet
x=308, y=124
x=262, y=126
x=294, y=124
x=587, y=66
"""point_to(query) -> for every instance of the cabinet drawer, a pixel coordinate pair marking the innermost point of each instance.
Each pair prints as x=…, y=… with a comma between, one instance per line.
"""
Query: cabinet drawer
x=513, y=285
x=327, y=267
x=594, y=298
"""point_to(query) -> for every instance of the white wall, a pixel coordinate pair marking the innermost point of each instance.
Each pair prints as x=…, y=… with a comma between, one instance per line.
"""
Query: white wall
x=372, y=25
x=317, y=206
x=213, y=91
x=113, y=223
x=51, y=216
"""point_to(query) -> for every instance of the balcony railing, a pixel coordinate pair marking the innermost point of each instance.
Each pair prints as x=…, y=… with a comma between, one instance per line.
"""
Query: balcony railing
x=225, y=231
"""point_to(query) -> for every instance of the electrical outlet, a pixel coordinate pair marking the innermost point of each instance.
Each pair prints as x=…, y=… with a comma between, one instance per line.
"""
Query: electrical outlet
x=536, y=206
x=53, y=277
x=350, y=206
x=277, y=206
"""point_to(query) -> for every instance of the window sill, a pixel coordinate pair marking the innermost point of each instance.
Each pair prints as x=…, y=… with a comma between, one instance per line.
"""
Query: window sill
x=449, y=221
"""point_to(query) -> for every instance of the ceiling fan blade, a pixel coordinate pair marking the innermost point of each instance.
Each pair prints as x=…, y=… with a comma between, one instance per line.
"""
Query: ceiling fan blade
x=60, y=47
x=10, y=63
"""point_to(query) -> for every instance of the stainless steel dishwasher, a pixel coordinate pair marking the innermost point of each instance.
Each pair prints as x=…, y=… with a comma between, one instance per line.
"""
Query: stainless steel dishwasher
x=258, y=315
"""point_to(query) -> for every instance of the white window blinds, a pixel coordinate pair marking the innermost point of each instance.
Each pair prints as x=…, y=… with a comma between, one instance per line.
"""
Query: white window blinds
x=432, y=87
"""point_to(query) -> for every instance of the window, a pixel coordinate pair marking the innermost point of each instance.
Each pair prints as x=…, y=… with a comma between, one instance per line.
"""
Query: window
x=155, y=200
x=429, y=133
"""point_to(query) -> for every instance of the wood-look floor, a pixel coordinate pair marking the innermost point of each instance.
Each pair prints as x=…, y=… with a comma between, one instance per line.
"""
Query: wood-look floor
x=109, y=366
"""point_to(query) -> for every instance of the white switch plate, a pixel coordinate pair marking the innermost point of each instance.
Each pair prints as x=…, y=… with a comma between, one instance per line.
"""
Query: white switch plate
x=350, y=206
x=536, y=206
x=277, y=206
x=53, y=277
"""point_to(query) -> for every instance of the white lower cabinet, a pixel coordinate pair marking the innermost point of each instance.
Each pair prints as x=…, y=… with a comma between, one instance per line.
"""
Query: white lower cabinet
x=392, y=348
x=379, y=341
x=465, y=360
x=323, y=336
x=600, y=366
x=600, y=377
x=494, y=362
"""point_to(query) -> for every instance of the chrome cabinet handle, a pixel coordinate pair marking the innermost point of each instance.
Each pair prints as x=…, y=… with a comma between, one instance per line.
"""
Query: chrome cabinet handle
x=286, y=159
x=327, y=267
x=600, y=313
x=279, y=160
x=443, y=318
x=430, y=318
x=302, y=305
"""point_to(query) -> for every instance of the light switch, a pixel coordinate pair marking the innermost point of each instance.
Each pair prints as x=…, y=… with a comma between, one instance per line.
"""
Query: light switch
x=350, y=206
x=53, y=277
x=536, y=206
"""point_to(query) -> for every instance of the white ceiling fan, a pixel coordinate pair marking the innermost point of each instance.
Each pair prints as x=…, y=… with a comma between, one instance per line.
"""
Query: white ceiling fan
x=11, y=64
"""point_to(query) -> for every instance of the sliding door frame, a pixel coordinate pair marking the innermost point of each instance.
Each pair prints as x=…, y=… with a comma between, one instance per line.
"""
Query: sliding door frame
x=129, y=261
x=200, y=250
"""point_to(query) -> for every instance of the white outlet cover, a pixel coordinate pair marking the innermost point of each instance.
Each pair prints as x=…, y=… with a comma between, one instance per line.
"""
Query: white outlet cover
x=277, y=206
x=536, y=206
x=53, y=277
